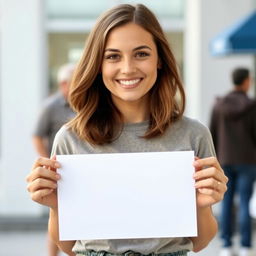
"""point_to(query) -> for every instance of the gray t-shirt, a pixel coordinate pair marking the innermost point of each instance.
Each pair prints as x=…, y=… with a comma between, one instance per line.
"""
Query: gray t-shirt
x=53, y=115
x=186, y=134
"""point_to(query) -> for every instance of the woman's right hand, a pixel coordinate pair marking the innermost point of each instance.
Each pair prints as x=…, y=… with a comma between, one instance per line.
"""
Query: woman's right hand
x=42, y=182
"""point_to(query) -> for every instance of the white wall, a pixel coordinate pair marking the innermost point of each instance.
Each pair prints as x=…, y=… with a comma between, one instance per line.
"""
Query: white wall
x=207, y=76
x=22, y=87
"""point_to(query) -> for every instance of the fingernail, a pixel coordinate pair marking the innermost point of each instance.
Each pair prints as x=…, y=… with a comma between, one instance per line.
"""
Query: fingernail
x=57, y=176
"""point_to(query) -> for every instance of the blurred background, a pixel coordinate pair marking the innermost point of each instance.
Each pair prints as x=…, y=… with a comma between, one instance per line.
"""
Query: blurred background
x=38, y=36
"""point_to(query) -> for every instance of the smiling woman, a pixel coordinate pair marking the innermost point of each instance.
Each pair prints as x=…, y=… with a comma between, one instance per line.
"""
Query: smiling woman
x=124, y=94
x=146, y=49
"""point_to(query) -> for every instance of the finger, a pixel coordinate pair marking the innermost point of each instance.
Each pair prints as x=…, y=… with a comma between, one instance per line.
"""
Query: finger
x=222, y=187
x=197, y=168
x=40, y=194
x=43, y=161
x=54, y=158
x=41, y=184
x=208, y=161
x=211, y=183
x=206, y=183
x=214, y=194
x=42, y=172
x=210, y=172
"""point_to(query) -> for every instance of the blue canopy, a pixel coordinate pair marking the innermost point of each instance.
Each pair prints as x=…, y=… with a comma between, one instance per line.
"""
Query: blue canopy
x=239, y=38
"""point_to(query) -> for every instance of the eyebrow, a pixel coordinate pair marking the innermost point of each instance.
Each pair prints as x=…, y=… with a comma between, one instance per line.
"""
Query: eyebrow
x=135, y=49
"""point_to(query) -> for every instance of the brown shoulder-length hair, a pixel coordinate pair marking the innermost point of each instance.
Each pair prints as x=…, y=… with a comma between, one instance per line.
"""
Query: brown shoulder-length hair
x=98, y=121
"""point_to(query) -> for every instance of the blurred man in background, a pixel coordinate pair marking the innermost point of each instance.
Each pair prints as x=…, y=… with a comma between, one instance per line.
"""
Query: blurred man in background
x=54, y=113
x=233, y=127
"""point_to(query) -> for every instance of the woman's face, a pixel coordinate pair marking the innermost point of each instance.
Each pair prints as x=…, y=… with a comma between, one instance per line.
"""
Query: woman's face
x=129, y=67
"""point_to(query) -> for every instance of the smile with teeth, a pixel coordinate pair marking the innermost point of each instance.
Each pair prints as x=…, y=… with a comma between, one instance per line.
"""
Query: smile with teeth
x=129, y=83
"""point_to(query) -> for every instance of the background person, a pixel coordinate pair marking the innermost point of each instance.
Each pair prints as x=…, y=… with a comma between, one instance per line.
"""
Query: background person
x=54, y=113
x=124, y=95
x=233, y=127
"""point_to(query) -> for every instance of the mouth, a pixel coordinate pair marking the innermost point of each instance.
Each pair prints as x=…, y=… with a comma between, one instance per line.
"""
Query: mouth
x=129, y=83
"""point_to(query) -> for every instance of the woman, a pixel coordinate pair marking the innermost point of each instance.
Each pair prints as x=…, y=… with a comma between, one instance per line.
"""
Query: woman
x=125, y=95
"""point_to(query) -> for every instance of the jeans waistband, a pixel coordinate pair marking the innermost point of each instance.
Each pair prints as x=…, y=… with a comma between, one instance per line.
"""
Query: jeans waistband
x=131, y=253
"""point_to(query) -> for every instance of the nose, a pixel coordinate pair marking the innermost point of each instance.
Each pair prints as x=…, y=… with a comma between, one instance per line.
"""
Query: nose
x=128, y=66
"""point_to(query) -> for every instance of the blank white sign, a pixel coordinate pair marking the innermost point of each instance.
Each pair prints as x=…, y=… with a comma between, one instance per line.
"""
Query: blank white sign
x=126, y=195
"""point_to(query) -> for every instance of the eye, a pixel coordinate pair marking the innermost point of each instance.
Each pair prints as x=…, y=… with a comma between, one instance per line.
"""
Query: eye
x=141, y=54
x=112, y=57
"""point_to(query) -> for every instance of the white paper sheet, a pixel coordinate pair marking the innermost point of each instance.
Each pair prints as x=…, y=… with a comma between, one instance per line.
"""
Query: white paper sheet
x=126, y=195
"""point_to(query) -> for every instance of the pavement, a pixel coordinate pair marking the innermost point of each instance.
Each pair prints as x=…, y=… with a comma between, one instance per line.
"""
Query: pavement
x=33, y=243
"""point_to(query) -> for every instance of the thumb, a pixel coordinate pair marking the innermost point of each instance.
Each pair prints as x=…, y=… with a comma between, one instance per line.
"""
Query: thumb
x=197, y=168
x=53, y=157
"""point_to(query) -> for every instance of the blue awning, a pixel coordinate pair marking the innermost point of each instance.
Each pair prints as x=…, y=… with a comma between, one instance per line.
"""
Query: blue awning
x=239, y=38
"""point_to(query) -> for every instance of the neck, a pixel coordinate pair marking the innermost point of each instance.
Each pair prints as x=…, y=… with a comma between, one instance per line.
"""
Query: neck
x=240, y=89
x=244, y=86
x=133, y=112
x=133, y=116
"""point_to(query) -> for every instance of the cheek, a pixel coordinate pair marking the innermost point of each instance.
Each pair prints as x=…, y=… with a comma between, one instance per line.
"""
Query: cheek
x=107, y=77
x=150, y=68
x=107, y=72
x=152, y=72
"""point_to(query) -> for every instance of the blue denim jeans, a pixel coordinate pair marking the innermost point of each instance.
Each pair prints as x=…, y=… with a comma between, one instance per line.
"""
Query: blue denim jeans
x=130, y=253
x=241, y=179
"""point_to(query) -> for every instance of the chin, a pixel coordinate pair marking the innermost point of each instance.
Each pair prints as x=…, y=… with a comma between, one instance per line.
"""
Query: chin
x=130, y=99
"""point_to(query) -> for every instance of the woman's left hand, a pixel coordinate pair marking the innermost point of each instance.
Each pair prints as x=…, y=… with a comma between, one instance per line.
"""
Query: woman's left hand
x=210, y=181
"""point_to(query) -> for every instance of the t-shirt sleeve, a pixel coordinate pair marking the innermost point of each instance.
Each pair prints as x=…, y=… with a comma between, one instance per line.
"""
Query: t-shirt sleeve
x=61, y=145
x=204, y=143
